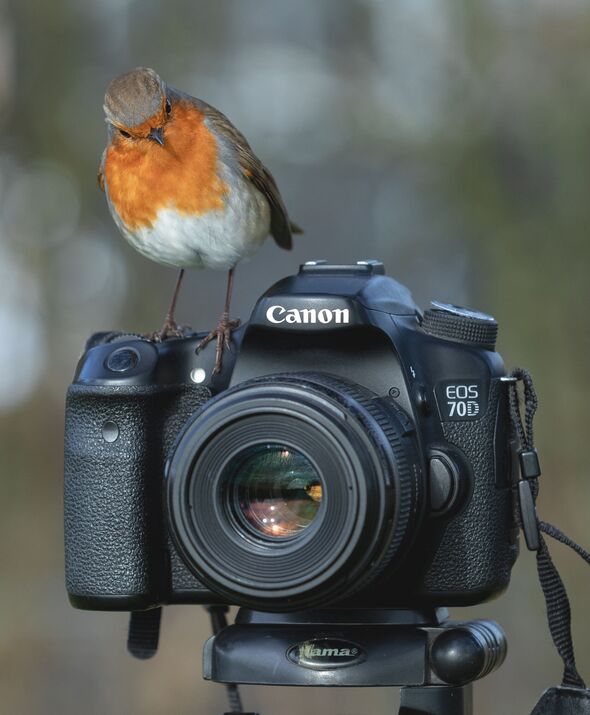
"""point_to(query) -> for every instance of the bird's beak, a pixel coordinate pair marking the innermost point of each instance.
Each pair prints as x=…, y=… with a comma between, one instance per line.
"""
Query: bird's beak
x=157, y=135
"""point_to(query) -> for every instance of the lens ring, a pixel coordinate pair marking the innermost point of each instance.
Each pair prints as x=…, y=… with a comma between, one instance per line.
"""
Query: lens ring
x=276, y=564
x=371, y=472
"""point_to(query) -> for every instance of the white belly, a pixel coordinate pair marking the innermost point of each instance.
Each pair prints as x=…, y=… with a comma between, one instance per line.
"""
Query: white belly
x=218, y=239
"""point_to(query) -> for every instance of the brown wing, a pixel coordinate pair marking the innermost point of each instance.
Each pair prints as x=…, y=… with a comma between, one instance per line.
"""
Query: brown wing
x=100, y=172
x=281, y=227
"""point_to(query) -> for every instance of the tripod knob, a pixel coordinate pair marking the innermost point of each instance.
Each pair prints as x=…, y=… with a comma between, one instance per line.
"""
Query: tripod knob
x=468, y=651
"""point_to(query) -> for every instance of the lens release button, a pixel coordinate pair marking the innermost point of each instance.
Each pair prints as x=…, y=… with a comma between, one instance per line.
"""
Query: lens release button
x=443, y=483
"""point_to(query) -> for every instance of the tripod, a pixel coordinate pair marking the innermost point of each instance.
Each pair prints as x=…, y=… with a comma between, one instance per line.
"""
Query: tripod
x=433, y=660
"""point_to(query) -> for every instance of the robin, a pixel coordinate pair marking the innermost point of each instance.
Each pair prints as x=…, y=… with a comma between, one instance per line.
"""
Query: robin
x=185, y=188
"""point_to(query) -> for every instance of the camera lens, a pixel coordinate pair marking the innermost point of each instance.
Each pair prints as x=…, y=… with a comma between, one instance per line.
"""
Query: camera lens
x=274, y=489
x=292, y=491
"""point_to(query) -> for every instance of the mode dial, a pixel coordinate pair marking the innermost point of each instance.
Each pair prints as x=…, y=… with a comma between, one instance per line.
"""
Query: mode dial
x=461, y=325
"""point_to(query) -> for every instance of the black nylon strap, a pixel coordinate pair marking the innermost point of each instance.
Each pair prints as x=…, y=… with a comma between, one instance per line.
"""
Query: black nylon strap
x=558, y=535
x=556, y=599
x=144, y=633
x=558, y=615
x=531, y=402
x=563, y=701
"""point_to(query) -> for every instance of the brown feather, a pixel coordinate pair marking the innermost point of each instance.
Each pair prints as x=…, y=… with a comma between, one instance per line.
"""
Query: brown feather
x=100, y=172
x=281, y=227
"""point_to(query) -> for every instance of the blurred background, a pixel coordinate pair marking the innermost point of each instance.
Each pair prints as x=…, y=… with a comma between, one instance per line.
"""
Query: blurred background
x=449, y=139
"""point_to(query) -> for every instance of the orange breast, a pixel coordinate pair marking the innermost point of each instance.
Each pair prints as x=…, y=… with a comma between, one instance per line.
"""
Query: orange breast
x=143, y=177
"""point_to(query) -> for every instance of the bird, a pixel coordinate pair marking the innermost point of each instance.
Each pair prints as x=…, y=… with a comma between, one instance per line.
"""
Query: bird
x=185, y=188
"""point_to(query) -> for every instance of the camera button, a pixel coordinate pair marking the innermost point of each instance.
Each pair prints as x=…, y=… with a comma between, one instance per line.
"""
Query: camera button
x=122, y=360
x=110, y=431
x=443, y=483
x=422, y=402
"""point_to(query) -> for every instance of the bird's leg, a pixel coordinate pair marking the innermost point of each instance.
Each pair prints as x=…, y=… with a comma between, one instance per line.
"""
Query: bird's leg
x=170, y=328
x=222, y=332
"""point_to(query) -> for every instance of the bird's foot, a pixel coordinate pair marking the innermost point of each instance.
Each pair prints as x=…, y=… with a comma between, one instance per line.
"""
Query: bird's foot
x=170, y=329
x=222, y=334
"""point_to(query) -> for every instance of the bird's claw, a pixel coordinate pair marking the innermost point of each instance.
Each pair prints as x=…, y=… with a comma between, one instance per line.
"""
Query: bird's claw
x=222, y=335
x=170, y=329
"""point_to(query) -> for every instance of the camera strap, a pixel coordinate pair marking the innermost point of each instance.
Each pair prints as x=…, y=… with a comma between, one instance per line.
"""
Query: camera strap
x=571, y=697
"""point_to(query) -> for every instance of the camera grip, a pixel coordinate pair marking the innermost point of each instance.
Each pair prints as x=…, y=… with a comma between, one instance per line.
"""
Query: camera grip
x=479, y=546
x=112, y=481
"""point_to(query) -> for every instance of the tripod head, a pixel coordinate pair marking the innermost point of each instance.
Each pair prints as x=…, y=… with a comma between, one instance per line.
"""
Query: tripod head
x=433, y=660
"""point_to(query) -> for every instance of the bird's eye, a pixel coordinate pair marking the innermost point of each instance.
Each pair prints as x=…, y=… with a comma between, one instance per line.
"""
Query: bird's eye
x=168, y=107
x=124, y=133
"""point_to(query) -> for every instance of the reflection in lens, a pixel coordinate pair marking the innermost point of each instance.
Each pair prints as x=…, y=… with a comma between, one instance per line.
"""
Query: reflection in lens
x=275, y=488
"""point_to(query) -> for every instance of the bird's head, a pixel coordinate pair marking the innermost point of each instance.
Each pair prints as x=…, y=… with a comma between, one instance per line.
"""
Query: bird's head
x=136, y=105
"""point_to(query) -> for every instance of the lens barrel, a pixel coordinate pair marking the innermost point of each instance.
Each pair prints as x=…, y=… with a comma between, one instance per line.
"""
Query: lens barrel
x=291, y=491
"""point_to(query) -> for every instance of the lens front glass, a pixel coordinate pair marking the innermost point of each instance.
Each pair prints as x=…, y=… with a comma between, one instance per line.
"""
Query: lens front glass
x=274, y=489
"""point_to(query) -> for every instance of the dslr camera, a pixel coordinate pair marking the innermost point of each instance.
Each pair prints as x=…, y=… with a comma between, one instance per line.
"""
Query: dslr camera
x=353, y=452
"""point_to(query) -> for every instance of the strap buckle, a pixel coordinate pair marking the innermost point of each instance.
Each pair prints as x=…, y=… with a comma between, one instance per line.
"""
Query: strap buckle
x=528, y=515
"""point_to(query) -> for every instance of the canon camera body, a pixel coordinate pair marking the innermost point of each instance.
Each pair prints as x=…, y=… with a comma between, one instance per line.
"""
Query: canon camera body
x=353, y=452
